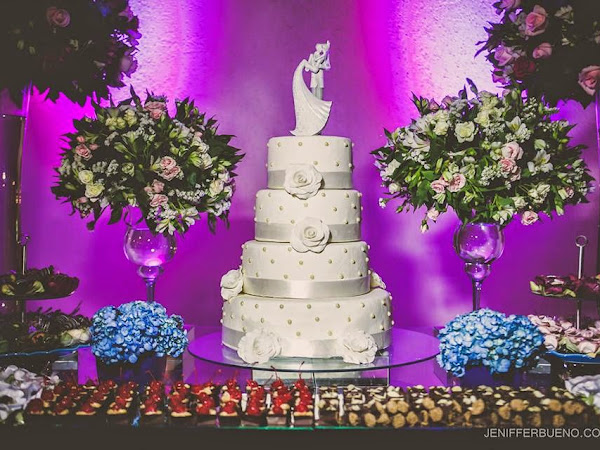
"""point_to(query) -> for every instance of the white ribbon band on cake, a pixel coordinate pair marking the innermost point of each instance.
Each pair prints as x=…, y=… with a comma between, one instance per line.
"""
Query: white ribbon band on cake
x=280, y=232
x=331, y=180
x=306, y=348
x=306, y=289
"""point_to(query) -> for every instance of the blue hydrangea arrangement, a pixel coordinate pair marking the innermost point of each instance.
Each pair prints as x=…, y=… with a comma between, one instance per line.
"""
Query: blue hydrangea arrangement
x=123, y=334
x=489, y=338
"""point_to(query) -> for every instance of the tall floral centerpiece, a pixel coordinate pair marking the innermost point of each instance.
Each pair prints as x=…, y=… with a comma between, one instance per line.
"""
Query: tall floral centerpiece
x=489, y=158
x=488, y=347
x=171, y=168
x=549, y=48
x=77, y=48
x=132, y=341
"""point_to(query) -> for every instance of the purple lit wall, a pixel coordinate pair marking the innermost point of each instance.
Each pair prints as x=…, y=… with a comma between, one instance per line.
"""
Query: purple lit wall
x=236, y=58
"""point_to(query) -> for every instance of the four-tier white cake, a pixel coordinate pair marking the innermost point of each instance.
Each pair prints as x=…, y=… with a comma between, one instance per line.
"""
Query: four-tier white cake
x=304, y=288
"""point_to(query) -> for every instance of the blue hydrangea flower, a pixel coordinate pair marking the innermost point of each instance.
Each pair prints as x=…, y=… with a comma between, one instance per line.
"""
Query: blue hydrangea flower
x=124, y=333
x=491, y=339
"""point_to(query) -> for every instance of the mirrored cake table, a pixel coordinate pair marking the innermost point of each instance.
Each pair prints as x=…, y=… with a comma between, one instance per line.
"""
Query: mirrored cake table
x=407, y=347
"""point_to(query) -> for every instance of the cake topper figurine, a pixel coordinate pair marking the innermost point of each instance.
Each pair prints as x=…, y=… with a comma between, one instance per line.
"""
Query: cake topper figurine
x=312, y=112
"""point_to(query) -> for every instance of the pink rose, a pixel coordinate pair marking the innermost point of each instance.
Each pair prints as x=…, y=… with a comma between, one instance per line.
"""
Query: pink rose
x=159, y=200
x=536, y=21
x=80, y=139
x=512, y=150
x=171, y=173
x=542, y=51
x=587, y=347
x=93, y=147
x=509, y=5
x=505, y=55
x=457, y=182
x=433, y=214
x=529, y=217
x=198, y=134
x=82, y=200
x=588, y=79
x=570, y=191
x=507, y=165
x=156, y=109
x=516, y=174
x=158, y=186
x=83, y=151
x=58, y=17
x=439, y=186
x=148, y=190
x=166, y=162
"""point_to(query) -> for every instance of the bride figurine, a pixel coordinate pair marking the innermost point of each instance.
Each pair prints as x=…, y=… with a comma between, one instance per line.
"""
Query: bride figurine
x=312, y=112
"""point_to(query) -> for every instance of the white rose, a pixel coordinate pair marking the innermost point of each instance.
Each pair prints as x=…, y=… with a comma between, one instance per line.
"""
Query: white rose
x=393, y=188
x=302, y=180
x=259, y=346
x=441, y=128
x=465, y=131
x=86, y=176
x=94, y=190
x=310, y=234
x=376, y=281
x=232, y=284
x=206, y=160
x=483, y=118
x=519, y=202
x=357, y=347
x=216, y=187
x=390, y=169
x=585, y=386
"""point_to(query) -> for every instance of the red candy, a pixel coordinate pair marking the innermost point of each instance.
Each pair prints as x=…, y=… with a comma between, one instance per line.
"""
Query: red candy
x=35, y=405
x=230, y=407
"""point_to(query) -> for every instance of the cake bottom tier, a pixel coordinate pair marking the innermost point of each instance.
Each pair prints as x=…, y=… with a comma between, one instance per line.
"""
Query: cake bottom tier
x=309, y=327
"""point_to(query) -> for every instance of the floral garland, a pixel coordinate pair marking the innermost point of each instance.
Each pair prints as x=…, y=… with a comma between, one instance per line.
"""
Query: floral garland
x=75, y=47
x=136, y=154
x=549, y=48
x=489, y=338
x=488, y=158
x=124, y=333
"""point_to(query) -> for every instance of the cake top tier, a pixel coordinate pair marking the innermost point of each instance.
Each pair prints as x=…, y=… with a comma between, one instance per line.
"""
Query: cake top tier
x=331, y=156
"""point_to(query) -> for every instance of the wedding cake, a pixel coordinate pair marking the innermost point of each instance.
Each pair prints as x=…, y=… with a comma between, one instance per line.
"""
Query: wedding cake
x=304, y=288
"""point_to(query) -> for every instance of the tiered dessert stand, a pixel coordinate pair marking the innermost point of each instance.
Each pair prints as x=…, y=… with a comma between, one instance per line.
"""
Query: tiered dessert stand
x=407, y=348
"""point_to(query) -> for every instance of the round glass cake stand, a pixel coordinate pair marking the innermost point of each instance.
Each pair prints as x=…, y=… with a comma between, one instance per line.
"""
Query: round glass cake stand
x=407, y=347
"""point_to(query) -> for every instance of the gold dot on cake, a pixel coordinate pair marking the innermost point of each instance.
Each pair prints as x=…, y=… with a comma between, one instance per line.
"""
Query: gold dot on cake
x=256, y=274
x=326, y=144
x=268, y=194
x=347, y=195
x=317, y=319
x=244, y=329
x=337, y=305
x=384, y=304
x=334, y=209
x=360, y=274
x=292, y=221
x=260, y=208
x=364, y=249
x=285, y=276
x=311, y=276
x=256, y=306
x=267, y=219
x=350, y=165
x=346, y=222
x=262, y=320
x=393, y=323
x=298, y=334
x=289, y=249
x=373, y=316
x=300, y=144
x=242, y=303
x=362, y=304
x=366, y=259
x=309, y=306
x=349, y=319
x=323, y=194
x=330, y=333
x=306, y=204
x=345, y=250
x=249, y=260
x=353, y=261
x=279, y=144
x=341, y=276
x=231, y=315
x=271, y=164
x=337, y=164
x=347, y=144
x=330, y=261
x=243, y=317
x=272, y=261
x=289, y=321
x=281, y=208
x=358, y=220
x=381, y=327
x=300, y=262
x=315, y=163
x=264, y=249
x=389, y=314
x=353, y=205
x=281, y=306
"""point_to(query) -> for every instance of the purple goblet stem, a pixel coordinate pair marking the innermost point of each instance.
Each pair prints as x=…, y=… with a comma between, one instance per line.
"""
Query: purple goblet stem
x=150, y=274
x=477, y=272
